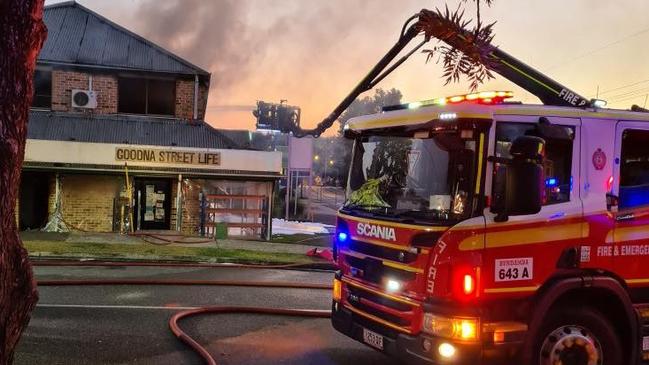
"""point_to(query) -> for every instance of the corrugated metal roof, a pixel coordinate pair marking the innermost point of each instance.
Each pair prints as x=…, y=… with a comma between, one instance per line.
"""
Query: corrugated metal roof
x=256, y=140
x=240, y=137
x=77, y=35
x=123, y=129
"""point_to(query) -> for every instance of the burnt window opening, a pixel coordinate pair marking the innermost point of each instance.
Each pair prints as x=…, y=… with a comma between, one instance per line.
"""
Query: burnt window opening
x=146, y=96
x=42, y=89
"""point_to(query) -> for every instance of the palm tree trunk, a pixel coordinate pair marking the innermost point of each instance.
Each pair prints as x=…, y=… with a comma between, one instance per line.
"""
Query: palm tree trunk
x=22, y=33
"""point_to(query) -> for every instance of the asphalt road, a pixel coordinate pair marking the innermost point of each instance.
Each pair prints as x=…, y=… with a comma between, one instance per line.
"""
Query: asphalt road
x=128, y=324
x=325, y=202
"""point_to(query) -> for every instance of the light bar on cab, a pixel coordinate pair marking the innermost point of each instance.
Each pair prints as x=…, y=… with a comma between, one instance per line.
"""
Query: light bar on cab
x=483, y=97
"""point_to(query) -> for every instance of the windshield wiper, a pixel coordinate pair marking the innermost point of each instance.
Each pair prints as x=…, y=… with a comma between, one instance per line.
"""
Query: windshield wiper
x=367, y=210
x=410, y=213
x=429, y=216
x=365, y=206
x=386, y=213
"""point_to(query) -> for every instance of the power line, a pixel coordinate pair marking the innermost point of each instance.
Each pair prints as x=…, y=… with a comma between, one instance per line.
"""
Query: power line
x=611, y=44
x=630, y=98
x=623, y=87
x=628, y=94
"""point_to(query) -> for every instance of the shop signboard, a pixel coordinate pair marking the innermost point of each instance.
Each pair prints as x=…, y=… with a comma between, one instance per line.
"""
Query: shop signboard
x=116, y=155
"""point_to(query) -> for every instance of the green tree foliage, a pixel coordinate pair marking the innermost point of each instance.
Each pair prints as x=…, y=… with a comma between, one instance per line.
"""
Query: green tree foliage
x=390, y=160
x=338, y=149
x=370, y=105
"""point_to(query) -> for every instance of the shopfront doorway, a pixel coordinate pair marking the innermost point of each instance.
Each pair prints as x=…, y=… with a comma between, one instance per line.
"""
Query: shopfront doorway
x=153, y=203
x=33, y=202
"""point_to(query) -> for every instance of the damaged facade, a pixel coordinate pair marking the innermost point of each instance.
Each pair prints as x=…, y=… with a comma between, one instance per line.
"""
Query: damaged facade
x=110, y=103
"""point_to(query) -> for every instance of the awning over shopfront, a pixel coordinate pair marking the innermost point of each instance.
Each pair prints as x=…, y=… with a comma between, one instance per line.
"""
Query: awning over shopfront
x=82, y=156
x=59, y=141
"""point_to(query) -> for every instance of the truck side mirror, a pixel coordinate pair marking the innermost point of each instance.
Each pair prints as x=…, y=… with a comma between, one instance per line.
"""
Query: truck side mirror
x=523, y=184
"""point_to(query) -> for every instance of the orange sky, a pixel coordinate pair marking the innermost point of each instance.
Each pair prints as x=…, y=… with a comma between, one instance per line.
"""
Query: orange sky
x=313, y=52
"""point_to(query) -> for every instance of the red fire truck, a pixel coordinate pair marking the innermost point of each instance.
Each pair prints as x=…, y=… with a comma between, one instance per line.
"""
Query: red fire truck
x=480, y=230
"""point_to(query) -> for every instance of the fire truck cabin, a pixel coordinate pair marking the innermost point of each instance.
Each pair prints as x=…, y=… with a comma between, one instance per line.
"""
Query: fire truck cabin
x=478, y=230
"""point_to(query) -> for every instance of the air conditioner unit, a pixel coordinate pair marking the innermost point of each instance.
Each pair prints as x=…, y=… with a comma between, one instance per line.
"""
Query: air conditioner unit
x=86, y=99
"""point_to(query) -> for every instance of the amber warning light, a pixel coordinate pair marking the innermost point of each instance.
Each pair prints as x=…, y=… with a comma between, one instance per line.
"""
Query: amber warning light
x=483, y=97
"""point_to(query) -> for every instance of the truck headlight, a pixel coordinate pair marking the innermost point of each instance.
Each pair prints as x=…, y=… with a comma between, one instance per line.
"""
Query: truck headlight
x=465, y=329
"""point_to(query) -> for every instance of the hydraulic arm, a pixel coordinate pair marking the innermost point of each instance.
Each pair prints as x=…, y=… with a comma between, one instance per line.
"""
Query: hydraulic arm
x=549, y=91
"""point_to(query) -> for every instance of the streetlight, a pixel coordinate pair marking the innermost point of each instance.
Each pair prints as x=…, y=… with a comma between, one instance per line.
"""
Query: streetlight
x=331, y=163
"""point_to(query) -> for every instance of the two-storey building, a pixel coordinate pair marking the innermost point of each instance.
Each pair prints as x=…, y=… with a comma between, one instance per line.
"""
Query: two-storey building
x=117, y=139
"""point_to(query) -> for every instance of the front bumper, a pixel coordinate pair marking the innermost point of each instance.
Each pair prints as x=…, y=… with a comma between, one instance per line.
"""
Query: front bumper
x=409, y=349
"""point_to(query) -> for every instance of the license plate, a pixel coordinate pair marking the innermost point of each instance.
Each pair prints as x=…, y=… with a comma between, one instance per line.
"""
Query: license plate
x=373, y=339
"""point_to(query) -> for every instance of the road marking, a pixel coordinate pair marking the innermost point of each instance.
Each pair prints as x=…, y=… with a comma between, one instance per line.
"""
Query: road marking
x=91, y=306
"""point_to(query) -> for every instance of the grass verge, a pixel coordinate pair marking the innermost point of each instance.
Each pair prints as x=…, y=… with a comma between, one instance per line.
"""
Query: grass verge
x=151, y=252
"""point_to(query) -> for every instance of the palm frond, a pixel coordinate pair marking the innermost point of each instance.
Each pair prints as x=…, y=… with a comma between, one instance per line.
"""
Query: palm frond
x=471, y=56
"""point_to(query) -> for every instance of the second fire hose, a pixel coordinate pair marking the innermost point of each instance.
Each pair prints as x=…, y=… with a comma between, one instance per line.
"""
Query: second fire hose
x=173, y=321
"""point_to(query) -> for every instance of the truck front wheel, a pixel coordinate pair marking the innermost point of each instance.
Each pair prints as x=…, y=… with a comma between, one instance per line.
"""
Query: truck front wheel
x=577, y=337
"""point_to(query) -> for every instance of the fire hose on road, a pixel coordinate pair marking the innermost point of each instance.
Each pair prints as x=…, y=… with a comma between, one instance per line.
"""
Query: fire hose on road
x=173, y=321
x=180, y=334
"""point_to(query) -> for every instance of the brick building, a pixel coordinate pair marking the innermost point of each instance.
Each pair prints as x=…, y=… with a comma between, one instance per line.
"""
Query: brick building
x=110, y=104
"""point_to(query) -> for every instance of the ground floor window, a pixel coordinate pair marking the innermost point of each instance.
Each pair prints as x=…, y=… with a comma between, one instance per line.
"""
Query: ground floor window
x=219, y=208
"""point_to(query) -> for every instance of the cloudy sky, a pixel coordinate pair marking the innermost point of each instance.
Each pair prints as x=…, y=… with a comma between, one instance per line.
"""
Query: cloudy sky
x=313, y=52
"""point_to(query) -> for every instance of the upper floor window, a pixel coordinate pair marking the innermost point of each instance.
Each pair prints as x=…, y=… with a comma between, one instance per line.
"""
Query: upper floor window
x=558, y=158
x=42, y=89
x=634, y=169
x=146, y=96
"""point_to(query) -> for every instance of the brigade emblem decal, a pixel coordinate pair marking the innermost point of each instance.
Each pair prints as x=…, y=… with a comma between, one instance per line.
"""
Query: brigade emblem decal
x=599, y=159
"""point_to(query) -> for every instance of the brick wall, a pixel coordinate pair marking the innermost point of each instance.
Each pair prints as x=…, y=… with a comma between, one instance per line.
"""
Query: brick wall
x=104, y=85
x=87, y=200
x=191, y=208
x=51, y=199
x=185, y=99
x=106, y=88
x=203, y=93
x=62, y=84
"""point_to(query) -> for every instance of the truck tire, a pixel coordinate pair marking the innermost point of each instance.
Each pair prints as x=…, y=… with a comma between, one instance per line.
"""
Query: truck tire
x=577, y=337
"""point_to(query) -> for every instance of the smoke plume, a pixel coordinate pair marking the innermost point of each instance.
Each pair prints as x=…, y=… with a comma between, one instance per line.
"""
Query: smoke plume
x=289, y=49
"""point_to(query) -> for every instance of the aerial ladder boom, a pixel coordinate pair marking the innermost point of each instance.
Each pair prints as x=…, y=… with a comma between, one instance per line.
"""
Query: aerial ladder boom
x=549, y=91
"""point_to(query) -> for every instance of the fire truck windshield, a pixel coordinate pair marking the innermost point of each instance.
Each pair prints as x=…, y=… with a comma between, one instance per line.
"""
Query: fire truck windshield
x=424, y=176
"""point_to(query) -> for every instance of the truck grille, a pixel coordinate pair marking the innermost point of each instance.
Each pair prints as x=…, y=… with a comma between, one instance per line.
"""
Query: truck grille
x=374, y=271
x=369, y=265
x=393, y=312
x=383, y=252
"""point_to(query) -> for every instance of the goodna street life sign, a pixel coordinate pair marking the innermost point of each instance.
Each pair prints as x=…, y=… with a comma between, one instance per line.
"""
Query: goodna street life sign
x=113, y=156
x=172, y=157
